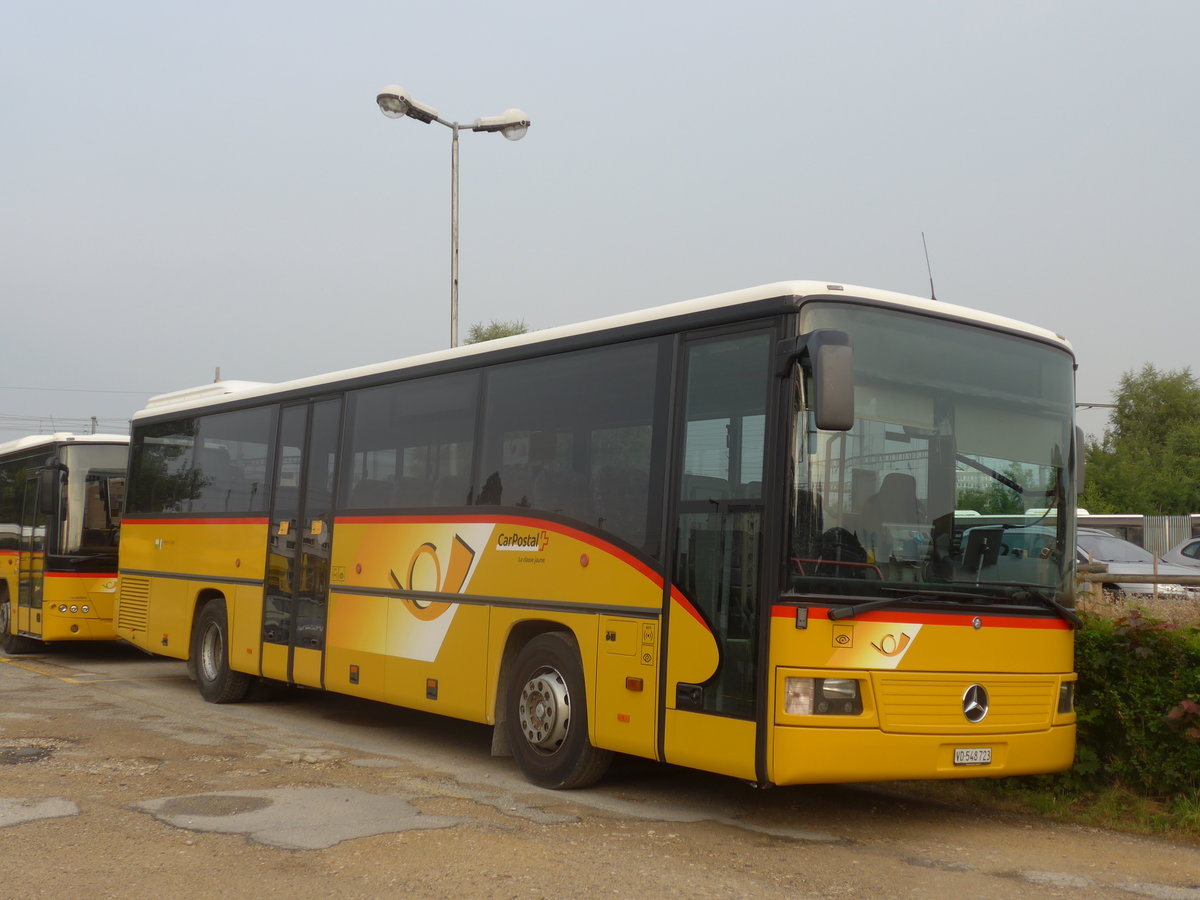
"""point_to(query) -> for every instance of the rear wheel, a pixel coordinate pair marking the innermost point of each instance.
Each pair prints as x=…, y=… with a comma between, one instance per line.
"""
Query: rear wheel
x=210, y=657
x=546, y=715
x=13, y=643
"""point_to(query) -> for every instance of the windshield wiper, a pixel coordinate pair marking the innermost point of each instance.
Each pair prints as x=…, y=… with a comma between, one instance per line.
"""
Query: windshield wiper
x=1028, y=593
x=853, y=609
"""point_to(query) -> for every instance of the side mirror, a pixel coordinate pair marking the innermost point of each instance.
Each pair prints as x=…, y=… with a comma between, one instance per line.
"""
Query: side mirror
x=829, y=356
x=48, y=490
x=833, y=386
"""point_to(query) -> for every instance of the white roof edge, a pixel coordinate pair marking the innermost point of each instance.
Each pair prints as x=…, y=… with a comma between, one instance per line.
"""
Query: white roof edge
x=206, y=393
x=60, y=437
x=212, y=393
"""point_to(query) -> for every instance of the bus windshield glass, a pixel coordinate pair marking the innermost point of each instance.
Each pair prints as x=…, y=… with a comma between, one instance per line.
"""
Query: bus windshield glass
x=93, y=494
x=948, y=488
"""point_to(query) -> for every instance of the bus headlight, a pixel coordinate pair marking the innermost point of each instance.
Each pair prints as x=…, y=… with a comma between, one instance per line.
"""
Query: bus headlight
x=822, y=697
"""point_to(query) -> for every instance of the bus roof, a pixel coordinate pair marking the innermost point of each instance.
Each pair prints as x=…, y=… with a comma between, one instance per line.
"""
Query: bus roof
x=33, y=441
x=223, y=391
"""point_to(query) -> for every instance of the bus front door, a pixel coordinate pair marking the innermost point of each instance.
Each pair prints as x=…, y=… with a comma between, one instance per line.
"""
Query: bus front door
x=712, y=671
x=31, y=562
x=296, y=597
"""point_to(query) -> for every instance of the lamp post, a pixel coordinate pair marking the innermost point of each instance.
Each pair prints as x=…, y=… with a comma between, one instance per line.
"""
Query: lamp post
x=396, y=103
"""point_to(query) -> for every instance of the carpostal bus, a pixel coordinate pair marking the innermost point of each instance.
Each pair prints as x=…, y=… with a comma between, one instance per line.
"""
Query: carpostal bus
x=717, y=534
x=60, y=516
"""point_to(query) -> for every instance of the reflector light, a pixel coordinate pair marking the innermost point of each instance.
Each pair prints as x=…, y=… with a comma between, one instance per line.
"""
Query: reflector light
x=1066, y=697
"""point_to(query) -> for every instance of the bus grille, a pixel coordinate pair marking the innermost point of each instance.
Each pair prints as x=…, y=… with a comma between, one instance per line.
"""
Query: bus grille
x=922, y=703
x=133, y=608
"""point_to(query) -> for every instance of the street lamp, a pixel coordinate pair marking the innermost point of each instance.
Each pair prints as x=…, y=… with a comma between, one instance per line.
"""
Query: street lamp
x=396, y=103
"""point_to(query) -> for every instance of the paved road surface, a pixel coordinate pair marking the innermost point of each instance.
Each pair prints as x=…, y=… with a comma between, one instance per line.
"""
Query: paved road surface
x=117, y=780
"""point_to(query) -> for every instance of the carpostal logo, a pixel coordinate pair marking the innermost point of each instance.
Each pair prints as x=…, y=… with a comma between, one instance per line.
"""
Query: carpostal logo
x=524, y=541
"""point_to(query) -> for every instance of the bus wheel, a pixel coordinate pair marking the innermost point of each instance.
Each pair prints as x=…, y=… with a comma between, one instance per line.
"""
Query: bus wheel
x=546, y=715
x=13, y=643
x=210, y=651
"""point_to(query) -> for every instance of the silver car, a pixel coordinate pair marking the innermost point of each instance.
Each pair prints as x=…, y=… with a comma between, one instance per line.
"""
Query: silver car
x=1185, y=553
x=1125, y=558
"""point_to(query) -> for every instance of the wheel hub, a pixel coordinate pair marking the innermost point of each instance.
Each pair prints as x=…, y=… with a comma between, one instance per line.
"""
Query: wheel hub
x=210, y=653
x=545, y=710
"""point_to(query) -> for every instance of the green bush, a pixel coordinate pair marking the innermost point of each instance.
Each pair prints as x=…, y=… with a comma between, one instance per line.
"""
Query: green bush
x=1138, y=704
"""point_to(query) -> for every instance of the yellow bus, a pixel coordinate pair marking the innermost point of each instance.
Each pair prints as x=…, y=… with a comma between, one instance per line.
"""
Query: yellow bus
x=720, y=534
x=60, y=516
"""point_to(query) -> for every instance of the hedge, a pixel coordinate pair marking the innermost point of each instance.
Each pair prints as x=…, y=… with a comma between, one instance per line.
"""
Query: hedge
x=1138, y=705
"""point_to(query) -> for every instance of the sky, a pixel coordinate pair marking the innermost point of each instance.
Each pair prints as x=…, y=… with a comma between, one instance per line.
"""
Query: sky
x=187, y=186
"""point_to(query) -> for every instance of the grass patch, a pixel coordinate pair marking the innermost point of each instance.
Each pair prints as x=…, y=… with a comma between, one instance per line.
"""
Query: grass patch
x=1111, y=807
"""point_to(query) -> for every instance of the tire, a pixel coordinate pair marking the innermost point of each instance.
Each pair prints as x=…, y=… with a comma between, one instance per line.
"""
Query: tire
x=210, y=655
x=546, y=715
x=13, y=643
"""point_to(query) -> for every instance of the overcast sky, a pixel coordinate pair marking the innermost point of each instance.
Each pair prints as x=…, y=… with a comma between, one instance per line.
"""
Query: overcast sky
x=189, y=185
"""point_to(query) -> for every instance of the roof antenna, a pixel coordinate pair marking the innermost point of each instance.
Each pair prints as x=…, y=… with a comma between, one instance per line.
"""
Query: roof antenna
x=217, y=379
x=928, y=268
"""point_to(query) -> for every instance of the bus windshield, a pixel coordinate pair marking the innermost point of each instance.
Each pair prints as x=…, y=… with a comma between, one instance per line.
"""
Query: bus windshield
x=94, y=490
x=949, y=486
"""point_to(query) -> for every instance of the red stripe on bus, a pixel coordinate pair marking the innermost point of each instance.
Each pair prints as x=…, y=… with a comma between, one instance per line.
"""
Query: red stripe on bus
x=961, y=620
x=205, y=521
x=583, y=537
x=79, y=574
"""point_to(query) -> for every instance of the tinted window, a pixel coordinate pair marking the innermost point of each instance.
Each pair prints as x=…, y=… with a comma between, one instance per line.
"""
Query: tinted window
x=411, y=444
x=12, y=491
x=574, y=435
x=231, y=461
x=212, y=464
x=161, y=477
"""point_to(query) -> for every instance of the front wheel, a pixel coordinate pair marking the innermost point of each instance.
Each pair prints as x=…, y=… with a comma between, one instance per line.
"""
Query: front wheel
x=546, y=715
x=9, y=642
x=210, y=658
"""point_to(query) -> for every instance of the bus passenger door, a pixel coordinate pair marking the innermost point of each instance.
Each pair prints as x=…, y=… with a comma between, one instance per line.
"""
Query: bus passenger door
x=31, y=563
x=296, y=595
x=712, y=691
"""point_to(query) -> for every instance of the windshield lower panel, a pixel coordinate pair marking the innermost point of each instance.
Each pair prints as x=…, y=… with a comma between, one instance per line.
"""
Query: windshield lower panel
x=948, y=489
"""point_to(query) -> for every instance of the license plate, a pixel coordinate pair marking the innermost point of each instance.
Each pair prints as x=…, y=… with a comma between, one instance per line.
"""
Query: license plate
x=972, y=756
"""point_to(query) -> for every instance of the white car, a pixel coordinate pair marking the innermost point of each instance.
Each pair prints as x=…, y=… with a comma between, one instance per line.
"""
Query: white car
x=1185, y=553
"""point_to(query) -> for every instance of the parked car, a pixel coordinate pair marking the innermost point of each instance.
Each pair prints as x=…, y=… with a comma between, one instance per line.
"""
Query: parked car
x=1010, y=553
x=1125, y=558
x=1185, y=553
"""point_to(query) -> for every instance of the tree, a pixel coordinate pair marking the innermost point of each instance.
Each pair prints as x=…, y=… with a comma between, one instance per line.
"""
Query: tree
x=480, y=332
x=1148, y=461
